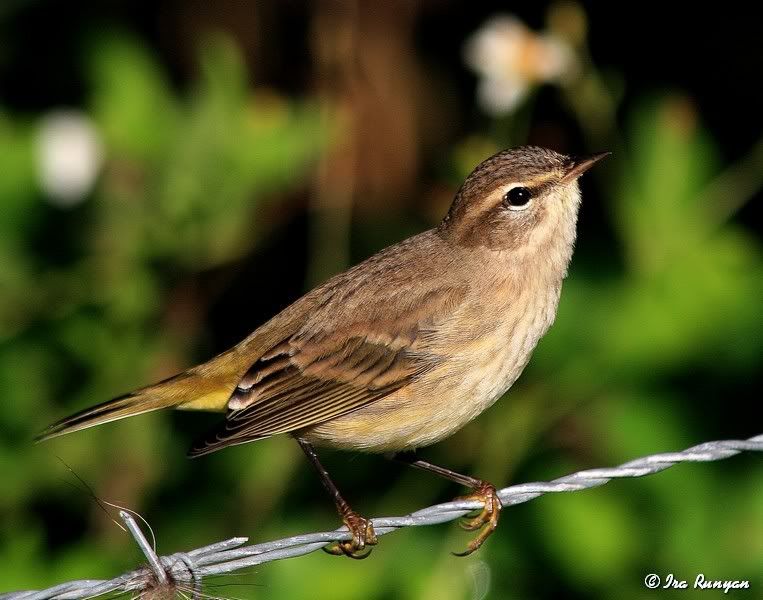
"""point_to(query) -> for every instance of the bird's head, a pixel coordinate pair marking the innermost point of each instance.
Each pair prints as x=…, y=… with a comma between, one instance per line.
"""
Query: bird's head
x=524, y=201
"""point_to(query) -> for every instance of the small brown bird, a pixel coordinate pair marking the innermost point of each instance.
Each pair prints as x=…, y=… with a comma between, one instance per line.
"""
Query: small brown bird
x=405, y=348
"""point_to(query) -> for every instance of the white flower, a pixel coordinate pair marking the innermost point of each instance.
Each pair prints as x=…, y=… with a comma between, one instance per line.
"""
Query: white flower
x=69, y=156
x=511, y=59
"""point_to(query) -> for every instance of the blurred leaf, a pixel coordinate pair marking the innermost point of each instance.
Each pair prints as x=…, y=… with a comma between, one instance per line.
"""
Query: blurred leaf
x=130, y=97
x=672, y=160
x=18, y=185
x=585, y=530
x=234, y=149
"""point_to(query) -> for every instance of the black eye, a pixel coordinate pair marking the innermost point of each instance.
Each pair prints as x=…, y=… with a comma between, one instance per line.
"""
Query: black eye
x=518, y=196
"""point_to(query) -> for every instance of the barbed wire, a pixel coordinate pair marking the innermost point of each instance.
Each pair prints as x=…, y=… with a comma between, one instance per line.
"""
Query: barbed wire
x=187, y=570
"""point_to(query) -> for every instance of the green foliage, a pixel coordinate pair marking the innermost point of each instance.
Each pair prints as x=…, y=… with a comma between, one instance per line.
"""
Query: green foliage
x=200, y=160
x=84, y=316
x=184, y=174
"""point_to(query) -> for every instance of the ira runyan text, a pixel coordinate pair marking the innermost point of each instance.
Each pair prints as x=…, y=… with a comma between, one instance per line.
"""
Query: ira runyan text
x=701, y=583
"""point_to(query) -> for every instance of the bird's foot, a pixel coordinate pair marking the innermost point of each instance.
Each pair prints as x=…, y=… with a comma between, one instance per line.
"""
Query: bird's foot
x=363, y=536
x=487, y=520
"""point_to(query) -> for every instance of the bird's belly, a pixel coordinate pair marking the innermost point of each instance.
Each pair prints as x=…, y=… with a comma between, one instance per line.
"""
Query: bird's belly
x=430, y=410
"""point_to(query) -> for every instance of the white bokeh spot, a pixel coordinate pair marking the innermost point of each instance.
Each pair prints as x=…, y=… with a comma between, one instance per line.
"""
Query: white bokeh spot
x=69, y=156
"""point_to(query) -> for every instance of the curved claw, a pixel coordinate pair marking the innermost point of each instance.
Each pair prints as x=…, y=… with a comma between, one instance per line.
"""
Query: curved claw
x=363, y=535
x=473, y=524
x=487, y=519
x=346, y=549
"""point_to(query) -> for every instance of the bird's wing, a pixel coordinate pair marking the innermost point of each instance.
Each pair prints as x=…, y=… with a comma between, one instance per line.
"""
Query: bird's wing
x=323, y=372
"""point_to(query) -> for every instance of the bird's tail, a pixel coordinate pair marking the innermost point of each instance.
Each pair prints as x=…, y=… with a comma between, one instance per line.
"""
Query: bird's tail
x=206, y=387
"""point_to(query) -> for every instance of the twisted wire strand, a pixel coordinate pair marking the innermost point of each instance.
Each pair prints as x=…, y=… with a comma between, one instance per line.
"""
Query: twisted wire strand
x=189, y=568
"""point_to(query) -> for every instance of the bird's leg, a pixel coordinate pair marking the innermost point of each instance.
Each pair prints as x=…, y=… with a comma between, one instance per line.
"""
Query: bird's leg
x=361, y=529
x=484, y=492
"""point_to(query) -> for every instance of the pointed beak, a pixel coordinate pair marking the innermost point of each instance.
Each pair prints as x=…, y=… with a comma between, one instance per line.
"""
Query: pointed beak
x=580, y=164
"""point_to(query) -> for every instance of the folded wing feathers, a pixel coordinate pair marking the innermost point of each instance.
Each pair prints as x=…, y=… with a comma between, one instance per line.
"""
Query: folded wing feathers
x=319, y=374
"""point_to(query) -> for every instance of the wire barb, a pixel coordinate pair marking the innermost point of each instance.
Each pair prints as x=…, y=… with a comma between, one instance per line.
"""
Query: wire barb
x=153, y=560
x=191, y=567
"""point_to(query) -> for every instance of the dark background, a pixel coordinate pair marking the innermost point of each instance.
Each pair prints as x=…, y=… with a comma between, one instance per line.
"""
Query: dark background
x=709, y=54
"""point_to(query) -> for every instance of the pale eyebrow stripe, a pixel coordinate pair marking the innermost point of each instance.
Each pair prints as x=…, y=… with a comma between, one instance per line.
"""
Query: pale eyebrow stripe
x=541, y=187
x=541, y=184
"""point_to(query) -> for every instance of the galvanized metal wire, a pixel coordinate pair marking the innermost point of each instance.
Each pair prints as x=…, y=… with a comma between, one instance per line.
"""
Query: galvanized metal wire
x=188, y=569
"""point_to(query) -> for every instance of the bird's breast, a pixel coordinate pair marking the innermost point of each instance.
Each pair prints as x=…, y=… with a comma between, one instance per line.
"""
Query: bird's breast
x=483, y=353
